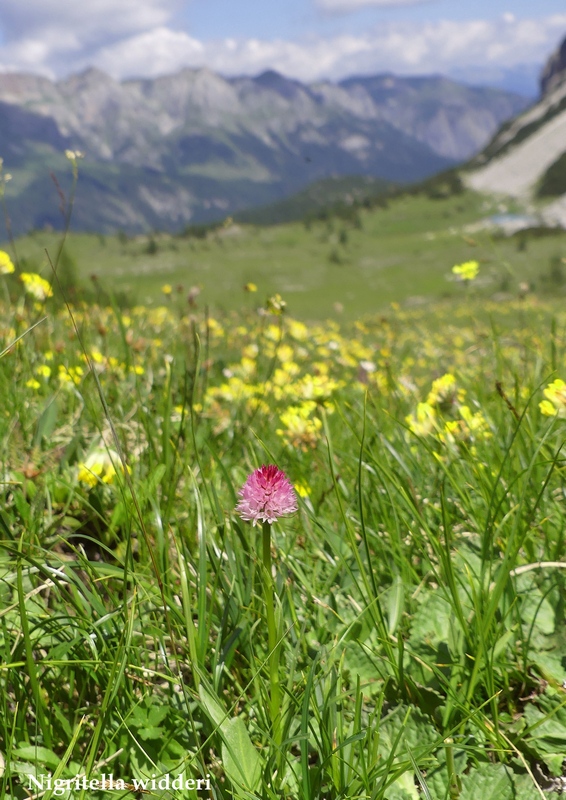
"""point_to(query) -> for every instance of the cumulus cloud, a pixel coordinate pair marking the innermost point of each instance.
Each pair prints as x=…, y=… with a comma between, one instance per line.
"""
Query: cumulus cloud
x=54, y=36
x=404, y=48
x=399, y=47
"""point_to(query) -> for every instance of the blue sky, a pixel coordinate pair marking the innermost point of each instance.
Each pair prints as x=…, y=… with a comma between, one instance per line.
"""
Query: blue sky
x=209, y=19
x=499, y=42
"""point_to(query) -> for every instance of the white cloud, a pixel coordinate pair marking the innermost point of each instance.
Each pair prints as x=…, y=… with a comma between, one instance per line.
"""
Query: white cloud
x=348, y=6
x=399, y=47
x=88, y=19
x=53, y=36
x=157, y=52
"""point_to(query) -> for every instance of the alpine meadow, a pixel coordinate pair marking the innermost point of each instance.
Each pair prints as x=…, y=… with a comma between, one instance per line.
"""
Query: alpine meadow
x=283, y=498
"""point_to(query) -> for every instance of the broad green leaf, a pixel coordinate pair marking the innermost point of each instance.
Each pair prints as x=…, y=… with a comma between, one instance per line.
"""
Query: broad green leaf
x=212, y=707
x=360, y=660
x=548, y=737
x=404, y=788
x=150, y=733
x=536, y=609
x=493, y=781
x=526, y=790
x=39, y=755
x=431, y=622
x=240, y=758
x=418, y=733
x=550, y=664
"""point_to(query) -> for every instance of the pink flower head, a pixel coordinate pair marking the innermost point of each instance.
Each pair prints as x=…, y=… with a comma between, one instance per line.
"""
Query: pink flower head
x=266, y=495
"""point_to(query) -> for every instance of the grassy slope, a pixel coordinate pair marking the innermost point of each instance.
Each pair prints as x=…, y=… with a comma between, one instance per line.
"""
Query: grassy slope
x=133, y=636
x=403, y=253
x=317, y=198
x=404, y=621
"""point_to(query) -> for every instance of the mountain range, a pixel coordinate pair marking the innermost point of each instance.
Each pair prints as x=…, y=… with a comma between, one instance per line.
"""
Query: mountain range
x=195, y=146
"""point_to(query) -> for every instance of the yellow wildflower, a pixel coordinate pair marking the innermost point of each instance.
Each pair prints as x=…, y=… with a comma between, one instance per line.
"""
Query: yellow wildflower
x=276, y=304
x=555, y=403
x=317, y=387
x=36, y=286
x=300, y=429
x=285, y=353
x=273, y=332
x=302, y=489
x=476, y=423
x=250, y=287
x=256, y=405
x=97, y=356
x=100, y=466
x=298, y=330
x=68, y=375
x=467, y=271
x=443, y=393
x=215, y=327
x=6, y=266
x=250, y=351
x=547, y=408
x=247, y=366
x=423, y=421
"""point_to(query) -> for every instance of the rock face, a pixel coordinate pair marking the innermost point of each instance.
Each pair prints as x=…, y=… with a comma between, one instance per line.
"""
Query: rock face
x=527, y=157
x=194, y=145
x=554, y=72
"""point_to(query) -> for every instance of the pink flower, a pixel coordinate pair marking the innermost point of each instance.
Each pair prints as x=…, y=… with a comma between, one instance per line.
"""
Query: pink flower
x=266, y=495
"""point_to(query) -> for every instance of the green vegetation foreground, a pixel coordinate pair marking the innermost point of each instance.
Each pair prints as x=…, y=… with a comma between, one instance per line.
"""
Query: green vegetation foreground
x=408, y=618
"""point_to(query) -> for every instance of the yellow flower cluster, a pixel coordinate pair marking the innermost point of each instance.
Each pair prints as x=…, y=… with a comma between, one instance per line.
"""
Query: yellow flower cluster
x=99, y=467
x=555, y=403
x=69, y=376
x=301, y=428
x=468, y=271
x=272, y=374
x=36, y=286
x=6, y=265
x=280, y=376
x=445, y=415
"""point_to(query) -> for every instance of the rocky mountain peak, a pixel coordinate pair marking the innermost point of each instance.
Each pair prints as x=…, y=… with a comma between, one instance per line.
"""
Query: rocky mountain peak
x=554, y=72
x=206, y=145
x=274, y=81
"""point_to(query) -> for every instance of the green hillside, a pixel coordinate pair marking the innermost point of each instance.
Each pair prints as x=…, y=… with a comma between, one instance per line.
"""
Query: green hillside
x=331, y=195
x=400, y=253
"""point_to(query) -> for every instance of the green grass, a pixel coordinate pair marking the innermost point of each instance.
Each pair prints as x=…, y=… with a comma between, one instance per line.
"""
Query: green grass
x=421, y=641
x=408, y=641
x=402, y=253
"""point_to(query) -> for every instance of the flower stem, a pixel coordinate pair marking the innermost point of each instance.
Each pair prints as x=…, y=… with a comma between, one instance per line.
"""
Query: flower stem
x=454, y=780
x=274, y=646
